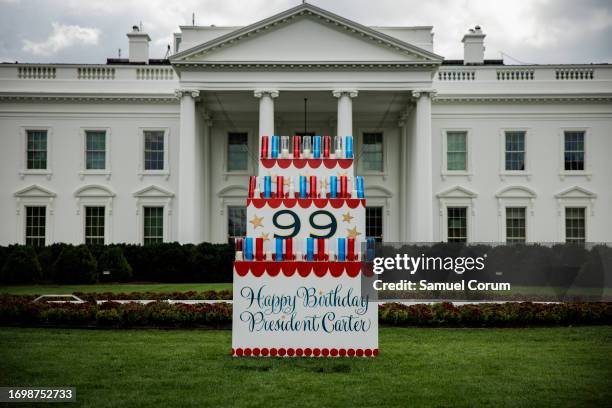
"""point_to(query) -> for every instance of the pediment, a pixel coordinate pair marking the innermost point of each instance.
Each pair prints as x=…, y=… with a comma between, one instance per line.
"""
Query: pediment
x=94, y=190
x=154, y=192
x=233, y=190
x=516, y=192
x=35, y=191
x=306, y=34
x=576, y=192
x=457, y=192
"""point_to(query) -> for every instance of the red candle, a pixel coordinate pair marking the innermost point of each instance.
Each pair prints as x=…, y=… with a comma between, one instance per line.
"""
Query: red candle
x=313, y=186
x=320, y=249
x=252, y=186
x=326, y=146
x=296, y=147
x=288, y=249
x=238, y=243
x=259, y=252
x=264, y=147
x=343, y=186
x=280, y=187
x=350, y=249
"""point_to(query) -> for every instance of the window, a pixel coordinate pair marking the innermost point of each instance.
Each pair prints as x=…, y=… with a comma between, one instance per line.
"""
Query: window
x=574, y=150
x=236, y=222
x=456, y=151
x=36, y=218
x=237, y=151
x=372, y=152
x=374, y=223
x=154, y=150
x=153, y=225
x=94, y=225
x=36, y=150
x=95, y=150
x=515, y=151
x=457, y=224
x=515, y=225
x=575, y=224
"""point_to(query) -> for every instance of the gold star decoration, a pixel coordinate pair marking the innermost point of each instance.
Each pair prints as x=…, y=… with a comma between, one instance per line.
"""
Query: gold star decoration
x=265, y=236
x=257, y=221
x=347, y=217
x=352, y=232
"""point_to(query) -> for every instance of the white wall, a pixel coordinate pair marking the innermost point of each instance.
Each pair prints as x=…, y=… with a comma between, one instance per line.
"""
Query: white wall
x=66, y=121
x=544, y=123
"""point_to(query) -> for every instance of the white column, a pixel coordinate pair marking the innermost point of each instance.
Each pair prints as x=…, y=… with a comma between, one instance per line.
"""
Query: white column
x=345, y=111
x=403, y=179
x=422, y=179
x=188, y=215
x=266, y=110
x=207, y=178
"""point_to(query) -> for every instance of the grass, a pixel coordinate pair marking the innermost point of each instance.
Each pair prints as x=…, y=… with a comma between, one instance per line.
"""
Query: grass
x=114, y=287
x=561, y=367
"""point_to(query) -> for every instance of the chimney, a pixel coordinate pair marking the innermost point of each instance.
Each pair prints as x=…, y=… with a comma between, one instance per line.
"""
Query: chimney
x=473, y=46
x=139, y=45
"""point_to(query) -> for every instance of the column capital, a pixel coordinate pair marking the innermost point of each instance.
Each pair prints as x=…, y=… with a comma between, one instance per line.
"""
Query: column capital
x=179, y=93
x=352, y=93
x=417, y=93
x=272, y=93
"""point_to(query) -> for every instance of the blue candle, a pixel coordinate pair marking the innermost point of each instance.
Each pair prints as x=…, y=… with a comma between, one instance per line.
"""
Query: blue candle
x=275, y=142
x=333, y=186
x=267, y=186
x=348, y=145
x=341, y=249
x=303, y=187
x=248, y=248
x=359, y=185
x=279, y=249
x=316, y=148
x=370, y=243
x=309, y=249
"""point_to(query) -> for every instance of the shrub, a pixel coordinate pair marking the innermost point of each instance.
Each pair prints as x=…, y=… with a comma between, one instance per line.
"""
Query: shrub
x=21, y=266
x=75, y=264
x=112, y=260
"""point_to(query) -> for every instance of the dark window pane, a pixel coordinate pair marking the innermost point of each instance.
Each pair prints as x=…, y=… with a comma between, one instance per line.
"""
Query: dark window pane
x=515, y=151
x=574, y=151
x=456, y=150
x=95, y=150
x=374, y=223
x=575, y=224
x=372, y=152
x=36, y=154
x=94, y=225
x=457, y=224
x=515, y=225
x=153, y=225
x=237, y=152
x=35, y=226
x=154, y=150
x=236, y=222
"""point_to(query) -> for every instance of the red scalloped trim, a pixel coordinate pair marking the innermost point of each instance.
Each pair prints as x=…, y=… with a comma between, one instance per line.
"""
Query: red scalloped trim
x=302, y=268
x=312, y=163
x=306, y=202
x=303, y=352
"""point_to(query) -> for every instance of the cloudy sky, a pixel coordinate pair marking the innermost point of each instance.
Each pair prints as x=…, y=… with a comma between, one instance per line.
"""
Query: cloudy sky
x=526, y=31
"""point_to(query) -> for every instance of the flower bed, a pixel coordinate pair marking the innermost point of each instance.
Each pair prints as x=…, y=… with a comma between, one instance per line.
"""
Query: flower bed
x=20, y=310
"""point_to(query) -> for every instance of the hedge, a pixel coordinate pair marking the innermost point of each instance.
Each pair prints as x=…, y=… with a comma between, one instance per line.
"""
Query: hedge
x=559, y=265
x=19, y=310
x=164, y=262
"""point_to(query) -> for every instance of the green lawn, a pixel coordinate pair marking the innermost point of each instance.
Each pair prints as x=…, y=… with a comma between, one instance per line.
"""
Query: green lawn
x=115, y=287
x=560, y=367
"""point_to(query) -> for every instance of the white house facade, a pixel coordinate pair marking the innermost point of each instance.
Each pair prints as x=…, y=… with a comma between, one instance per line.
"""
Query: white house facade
x=140, y=150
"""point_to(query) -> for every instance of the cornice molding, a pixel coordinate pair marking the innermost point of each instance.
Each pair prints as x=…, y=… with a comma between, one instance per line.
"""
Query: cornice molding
x=521, y=98
x=307, y=64
x=38, y=97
